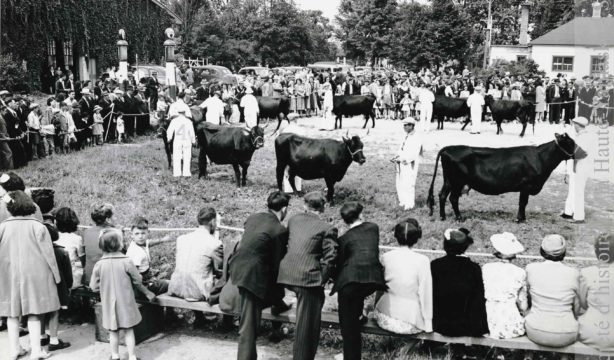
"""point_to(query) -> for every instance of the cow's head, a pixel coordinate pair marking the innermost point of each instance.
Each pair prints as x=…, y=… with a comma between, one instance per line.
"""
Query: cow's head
x=569, y=147
x=354, y=146
x=488, y=99
x=256, y=135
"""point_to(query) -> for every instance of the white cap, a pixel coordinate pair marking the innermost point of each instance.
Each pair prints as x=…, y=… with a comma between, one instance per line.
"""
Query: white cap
x=85, y=91
x=506, y=244
x=580, y=120
x=409, y=120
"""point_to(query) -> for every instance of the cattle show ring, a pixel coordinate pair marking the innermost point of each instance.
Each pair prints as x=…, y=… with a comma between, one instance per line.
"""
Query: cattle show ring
x=135, y=178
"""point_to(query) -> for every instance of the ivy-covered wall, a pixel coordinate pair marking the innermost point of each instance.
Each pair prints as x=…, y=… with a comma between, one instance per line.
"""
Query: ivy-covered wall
x=91, y=24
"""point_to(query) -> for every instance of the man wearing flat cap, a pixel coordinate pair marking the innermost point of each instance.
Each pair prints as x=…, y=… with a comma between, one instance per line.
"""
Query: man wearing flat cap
x=577, y=171
x=407, y=161
x=553, y=95
x=305, y=269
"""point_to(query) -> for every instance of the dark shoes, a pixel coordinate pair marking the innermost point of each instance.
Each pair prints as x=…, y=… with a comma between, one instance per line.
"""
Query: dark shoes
x=278, y=309
x=59, y=346
x=45, y=341
x=566, y=217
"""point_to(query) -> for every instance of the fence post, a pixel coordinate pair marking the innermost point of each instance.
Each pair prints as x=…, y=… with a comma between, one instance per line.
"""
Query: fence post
x=577, y=104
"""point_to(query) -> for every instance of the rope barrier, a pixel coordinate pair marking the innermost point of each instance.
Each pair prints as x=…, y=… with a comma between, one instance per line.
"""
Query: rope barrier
x=382, y=247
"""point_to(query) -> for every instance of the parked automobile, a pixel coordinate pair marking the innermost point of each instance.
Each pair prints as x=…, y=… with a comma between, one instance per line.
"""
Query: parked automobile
x=214, y=74
x=144, y=71
x=330, y=67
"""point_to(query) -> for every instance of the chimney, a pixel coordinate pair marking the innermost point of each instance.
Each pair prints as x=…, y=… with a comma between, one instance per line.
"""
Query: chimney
x=524, y=23
x=596, y=9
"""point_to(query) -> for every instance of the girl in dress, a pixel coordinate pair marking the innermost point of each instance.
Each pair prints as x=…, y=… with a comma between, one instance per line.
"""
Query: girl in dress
x=67, y=221
x=405, y=105
x=120, y=128
x=97, y=128
x=112, y=273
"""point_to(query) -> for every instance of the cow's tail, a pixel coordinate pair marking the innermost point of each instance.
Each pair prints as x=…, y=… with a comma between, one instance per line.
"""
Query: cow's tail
x=430, y=201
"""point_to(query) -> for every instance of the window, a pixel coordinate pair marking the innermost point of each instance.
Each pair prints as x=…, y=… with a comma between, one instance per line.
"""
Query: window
x=598, y=65
x=562, y=63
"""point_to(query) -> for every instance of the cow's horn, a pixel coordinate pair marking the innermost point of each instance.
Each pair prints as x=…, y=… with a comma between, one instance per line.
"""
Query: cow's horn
x=347, y=134
x=368, y=131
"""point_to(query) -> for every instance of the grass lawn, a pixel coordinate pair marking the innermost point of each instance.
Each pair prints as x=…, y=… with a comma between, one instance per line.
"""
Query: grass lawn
x=135, y=179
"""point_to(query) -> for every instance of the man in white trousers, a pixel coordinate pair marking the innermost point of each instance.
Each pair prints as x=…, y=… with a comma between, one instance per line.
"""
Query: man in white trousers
x=426, y=99
x=249, y=103
x=475, y=102
x=182, y=130
x=578, y=171
x=407, y=161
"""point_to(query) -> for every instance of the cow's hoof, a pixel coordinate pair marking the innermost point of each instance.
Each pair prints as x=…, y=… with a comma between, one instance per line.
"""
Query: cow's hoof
x=520, y=221
x=460, y=219
x=443, y=218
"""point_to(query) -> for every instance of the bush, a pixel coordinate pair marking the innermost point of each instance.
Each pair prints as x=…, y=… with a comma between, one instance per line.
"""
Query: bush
x=525, y=68
x=12, y=76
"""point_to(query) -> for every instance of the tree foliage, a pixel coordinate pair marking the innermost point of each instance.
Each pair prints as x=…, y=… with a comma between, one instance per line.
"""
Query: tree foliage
x=241, y=33
x=12, y=76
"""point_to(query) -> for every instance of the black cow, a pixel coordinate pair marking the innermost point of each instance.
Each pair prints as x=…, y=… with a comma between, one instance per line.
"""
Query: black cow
x=445, y=106
x=490, y=171
x=352, y=105
x=521, y=110
x=316, y=158
x=272, y=107
x=228, y=145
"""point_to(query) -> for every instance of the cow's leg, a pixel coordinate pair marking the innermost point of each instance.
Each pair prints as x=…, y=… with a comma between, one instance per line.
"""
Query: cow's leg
x=281, y=168
x=524, y=127
x=443, y=196
x=244, y=167
x=454, y=196
x=235, y=167
x=366, y=121
x=372, y=118
x=330, y=184
x=202, y=162
x=279, y=120
x=467, y=121
x=292, y=180
x=522, y=204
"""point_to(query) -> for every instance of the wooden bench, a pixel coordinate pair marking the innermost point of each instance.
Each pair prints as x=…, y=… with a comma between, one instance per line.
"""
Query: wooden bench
x=331, y=319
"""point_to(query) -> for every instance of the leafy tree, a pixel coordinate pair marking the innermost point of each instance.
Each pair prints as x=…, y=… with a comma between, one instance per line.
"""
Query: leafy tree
x=12, y=76
x=366, y=27
x=550, y=14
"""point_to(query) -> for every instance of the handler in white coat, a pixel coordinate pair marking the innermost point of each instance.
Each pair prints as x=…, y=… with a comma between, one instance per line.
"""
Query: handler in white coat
x=407, y=161
x=426, y=99
x=249, y=103
x=182, y=129
x=215, y=109
x=475, y=102
x=577, y=175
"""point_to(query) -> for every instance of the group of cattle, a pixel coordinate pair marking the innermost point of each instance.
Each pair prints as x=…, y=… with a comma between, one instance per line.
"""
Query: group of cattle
x=523, y=169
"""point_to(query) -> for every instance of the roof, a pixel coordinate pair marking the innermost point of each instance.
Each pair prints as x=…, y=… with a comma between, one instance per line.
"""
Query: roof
x=581, y=31
x=167, y=10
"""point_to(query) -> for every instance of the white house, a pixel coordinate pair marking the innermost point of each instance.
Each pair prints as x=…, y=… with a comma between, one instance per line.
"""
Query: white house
x=583, y=46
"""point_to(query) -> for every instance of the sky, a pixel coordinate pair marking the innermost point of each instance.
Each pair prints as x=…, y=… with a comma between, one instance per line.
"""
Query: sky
x=328, y=7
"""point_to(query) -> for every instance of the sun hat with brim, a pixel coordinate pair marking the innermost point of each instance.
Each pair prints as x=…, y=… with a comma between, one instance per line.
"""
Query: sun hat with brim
x=4, y=92
x=118, y=92
x=55, y=110
x=409, y=121
x=455, y=236
x=97, y=108
x=506, y=244
x=85, y=91
x=580, y=120
x=33, y=106
x=554, y=245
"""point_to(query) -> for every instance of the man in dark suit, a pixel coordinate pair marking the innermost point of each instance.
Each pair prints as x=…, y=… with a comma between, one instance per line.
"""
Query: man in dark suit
x=14, y=130
x=255, y=267
x=60, y=84
x=359, y=275
x=86, y=119
x=312, y=249
x=553, y=95
x=350, y=87
x=151, y=91
x=569, y=97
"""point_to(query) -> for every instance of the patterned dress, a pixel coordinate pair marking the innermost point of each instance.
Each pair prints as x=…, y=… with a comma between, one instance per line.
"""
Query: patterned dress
x=505, y=286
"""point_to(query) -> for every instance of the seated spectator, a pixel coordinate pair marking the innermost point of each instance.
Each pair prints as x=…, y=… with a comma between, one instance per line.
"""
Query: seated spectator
x=101, y=215
x=505, y=289
x=360, y=274
x=553, y=288
x=407, y=306
x=138, y=252
x=597, y=297
x=67, y=221
x=29, y=273
x=459, y=307
x=199, y=259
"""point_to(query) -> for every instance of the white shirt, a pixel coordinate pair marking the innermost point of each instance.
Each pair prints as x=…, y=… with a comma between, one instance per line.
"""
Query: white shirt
x=34, y=121
x=475, y=99
x=411, y=148
x=426, y=96
x=182, y=128
x=215, y=110
x=174, y=108
x=73, y=244
x=139, y=255
x=250, y=104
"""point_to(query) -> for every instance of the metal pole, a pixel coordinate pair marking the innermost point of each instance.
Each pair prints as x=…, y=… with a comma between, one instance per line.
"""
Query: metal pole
x=488, y=36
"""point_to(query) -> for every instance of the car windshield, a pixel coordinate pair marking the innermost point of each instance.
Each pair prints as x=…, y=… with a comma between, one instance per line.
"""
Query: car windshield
x=225, y=71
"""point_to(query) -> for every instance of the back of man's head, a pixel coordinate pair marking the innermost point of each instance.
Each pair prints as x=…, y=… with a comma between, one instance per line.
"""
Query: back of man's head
x=350, y=211
x=205, y=215
x=315, y=201
x=277, y=200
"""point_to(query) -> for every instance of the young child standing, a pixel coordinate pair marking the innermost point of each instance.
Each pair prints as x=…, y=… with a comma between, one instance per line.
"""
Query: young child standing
x=120, y=128
x=97, y=128
x=138, y=252
x=115, y=276
x=405, y=105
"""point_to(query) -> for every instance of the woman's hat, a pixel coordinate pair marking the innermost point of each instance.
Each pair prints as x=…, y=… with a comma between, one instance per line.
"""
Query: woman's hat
x=455, y=236
x=33, y=106
x=55, y=110
x=97, y=108
x=506, y=244
x=554, y=245
x=409, y=121
x=580, y=120
x=85, y=91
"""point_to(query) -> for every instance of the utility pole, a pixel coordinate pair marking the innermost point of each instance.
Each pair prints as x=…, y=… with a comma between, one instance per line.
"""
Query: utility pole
x=488, y=36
